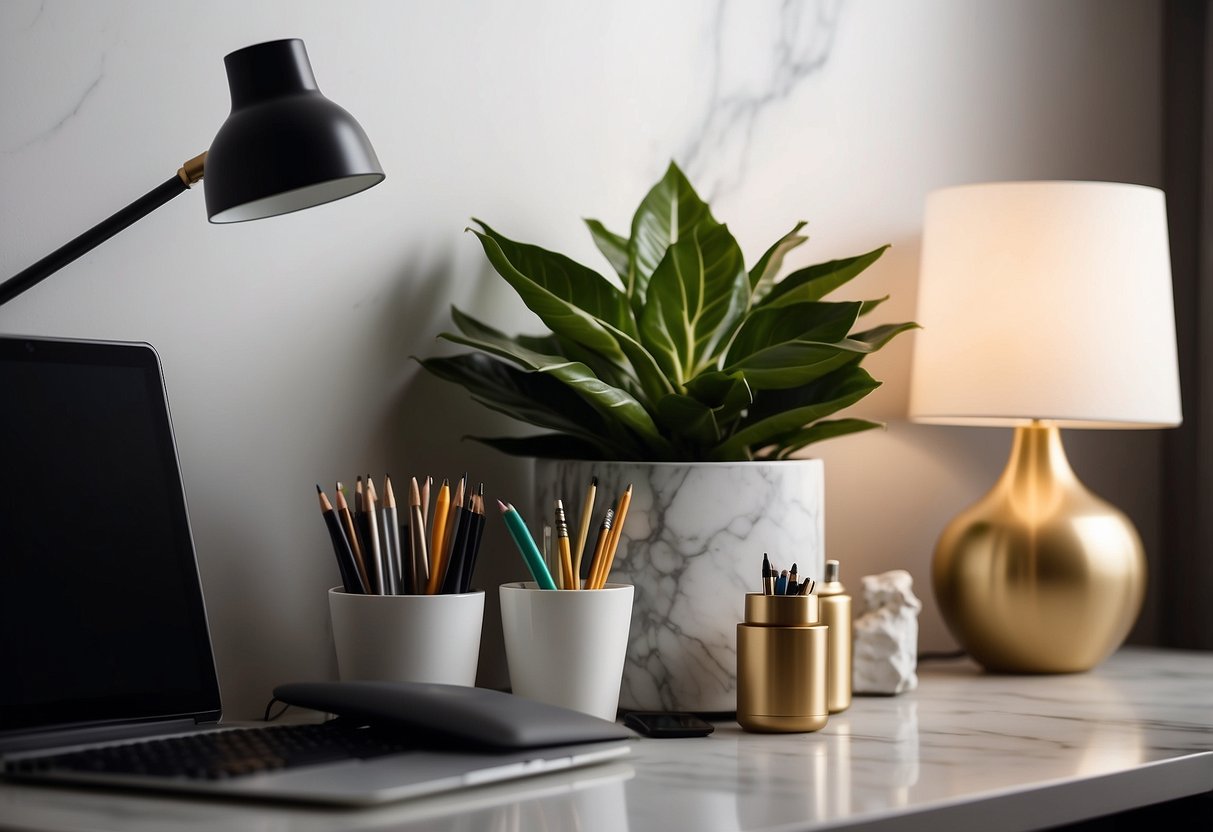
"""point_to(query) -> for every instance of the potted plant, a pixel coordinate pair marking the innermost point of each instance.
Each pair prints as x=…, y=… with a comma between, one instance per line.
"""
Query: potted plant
x=696, y=380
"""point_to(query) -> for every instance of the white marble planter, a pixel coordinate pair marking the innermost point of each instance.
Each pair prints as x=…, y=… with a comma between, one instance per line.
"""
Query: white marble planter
x=692, y=547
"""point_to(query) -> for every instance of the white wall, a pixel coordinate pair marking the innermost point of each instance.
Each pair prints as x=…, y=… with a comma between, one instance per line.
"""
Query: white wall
x=286, y=342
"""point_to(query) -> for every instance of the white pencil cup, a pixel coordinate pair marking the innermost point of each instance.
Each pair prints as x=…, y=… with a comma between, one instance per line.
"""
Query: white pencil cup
x=407, y=638
x=566, y=647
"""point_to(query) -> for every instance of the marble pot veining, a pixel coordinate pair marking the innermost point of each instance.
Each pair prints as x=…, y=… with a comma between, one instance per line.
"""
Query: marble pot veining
x=692, y=547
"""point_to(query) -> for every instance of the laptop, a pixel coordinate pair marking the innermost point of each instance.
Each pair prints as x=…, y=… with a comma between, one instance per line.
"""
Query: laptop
x=107, y=675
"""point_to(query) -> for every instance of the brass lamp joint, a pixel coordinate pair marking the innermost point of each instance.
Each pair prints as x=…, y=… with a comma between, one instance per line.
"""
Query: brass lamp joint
x=191, y=171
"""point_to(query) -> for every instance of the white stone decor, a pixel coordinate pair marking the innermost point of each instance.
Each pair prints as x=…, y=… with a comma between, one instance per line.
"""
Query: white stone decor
x=885, y=640
x=692, y=546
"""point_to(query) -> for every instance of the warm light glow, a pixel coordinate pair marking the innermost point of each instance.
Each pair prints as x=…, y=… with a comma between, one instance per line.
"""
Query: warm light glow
x=1046, y=300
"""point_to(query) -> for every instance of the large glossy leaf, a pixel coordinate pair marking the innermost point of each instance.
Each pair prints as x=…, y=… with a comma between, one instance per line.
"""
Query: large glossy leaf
x=615, y=404
x=795, y=363
x=529, y=397
x=613, y=247
x=771, y=326
x=762, y=276
x=668, y=213
x=545, y=445
x=614, y=374
x=727, y=394
x=815, y=282
x=825, y=429
x=776, y=413
x=697, y=297
x=551, y=296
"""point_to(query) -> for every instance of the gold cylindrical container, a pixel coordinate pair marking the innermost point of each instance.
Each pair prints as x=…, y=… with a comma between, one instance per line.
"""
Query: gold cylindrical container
x=781, y=665
x=836, y=614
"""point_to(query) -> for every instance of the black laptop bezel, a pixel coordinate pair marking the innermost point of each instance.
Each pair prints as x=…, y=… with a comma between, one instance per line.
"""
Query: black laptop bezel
x=201, y=705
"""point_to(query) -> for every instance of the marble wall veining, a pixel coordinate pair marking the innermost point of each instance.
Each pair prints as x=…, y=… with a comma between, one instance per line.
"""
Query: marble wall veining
x=287, y=343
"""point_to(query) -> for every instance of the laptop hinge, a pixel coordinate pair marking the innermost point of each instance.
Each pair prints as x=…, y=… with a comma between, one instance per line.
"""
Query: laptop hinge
x=80, y=735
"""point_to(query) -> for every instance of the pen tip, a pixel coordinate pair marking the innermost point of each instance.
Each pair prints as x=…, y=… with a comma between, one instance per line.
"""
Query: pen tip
x=503, y=506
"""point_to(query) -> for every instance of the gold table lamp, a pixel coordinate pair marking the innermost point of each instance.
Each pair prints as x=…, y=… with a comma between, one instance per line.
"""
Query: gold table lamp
x=1044, y=305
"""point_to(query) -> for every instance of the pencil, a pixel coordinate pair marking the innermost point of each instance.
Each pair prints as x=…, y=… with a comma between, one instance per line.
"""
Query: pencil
x=442, y=506
x=458, y=557
x=372, y=536
x=477, y=533
x=583, y=530
x=526, y=546
x=621, y=515
x=562, y=544
x=417, y=555
x=425, y=500
x=363, y=536
x=341, y=546
x=604, y=536
x=391, y=534
x=347, y=525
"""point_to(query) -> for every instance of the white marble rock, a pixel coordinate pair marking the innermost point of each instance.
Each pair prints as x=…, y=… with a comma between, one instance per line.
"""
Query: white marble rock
x=885, y=637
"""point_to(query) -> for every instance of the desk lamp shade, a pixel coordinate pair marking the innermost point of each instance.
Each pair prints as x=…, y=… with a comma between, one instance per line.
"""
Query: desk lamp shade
x=284, y=146
x=1044, y=305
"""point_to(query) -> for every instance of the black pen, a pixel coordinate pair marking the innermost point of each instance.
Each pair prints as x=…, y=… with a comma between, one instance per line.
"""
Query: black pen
x=768, y=576
x=792, y=578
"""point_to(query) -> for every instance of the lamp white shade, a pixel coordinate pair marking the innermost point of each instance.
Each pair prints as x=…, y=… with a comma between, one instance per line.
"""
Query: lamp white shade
x=1046, y=300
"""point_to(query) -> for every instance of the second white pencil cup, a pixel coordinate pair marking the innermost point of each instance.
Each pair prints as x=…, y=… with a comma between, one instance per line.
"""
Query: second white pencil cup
x=407, y=638
x=567, y=647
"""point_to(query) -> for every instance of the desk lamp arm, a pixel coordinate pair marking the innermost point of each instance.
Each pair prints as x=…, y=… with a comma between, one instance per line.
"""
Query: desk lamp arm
x=186, y=175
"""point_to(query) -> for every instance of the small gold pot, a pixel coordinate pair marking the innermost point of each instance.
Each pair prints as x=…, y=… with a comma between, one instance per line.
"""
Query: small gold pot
x=781, y=665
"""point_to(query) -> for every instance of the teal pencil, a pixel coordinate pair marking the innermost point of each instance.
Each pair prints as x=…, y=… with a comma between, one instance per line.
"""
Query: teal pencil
x=526, y=545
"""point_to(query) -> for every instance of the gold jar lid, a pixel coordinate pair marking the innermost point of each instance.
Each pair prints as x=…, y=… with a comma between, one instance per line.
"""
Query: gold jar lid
x=781, y=610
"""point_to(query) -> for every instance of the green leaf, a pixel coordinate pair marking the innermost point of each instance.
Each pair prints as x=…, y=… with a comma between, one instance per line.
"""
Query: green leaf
x=569, y=298
x=668, y=213
x=878, y=336
x=825, y=429
x=529, y=397
x=777, y=413
x=687, y=417
x=545, y=445
x=697, y=297
x=770, y=326
x=815, y=282
x=616, y=405
x=869, y=305
x=762, y=276
x=613, y=247
x=727, y=394
x=794, y=363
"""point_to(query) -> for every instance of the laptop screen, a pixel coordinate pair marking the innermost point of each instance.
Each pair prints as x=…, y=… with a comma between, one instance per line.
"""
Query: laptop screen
x=101, y=615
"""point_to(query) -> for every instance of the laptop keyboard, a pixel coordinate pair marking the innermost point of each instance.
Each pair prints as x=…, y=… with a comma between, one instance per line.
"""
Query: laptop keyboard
x=219, y=755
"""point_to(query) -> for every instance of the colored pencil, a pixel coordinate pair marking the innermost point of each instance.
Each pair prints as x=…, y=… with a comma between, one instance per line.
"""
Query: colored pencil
x=526, y=546
x=583, y=529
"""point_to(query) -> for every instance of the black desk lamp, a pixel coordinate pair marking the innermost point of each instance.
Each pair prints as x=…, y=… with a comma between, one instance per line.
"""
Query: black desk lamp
x=284, y=147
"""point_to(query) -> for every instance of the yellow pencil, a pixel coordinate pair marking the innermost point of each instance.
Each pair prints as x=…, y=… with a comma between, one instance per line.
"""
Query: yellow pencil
x=562, y=545
x=621, y=515
x=442, y=505
x=583, y=530
x=604, y=535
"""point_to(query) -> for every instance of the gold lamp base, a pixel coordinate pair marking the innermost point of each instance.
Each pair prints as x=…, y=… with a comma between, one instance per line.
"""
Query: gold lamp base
x=1040, y=576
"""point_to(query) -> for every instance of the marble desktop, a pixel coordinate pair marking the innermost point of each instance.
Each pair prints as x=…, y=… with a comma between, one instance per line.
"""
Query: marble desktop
x=966, y=750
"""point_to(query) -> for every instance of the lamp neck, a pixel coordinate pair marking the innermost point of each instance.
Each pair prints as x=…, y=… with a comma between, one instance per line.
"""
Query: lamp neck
x=1038, y=472
x=268, y=70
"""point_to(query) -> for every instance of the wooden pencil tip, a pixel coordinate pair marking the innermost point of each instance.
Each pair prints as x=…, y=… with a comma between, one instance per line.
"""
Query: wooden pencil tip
x=503, y=506
x=594, y=481
x=319, y=490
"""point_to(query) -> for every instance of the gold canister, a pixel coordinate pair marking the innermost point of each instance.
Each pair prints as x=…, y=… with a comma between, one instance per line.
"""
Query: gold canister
x=836, y=614
x=781, y=665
